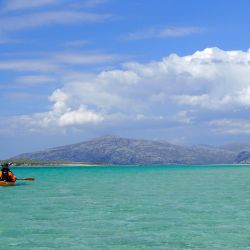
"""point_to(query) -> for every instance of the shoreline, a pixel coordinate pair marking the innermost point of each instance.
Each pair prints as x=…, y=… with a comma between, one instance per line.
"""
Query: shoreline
x=61, y=165
x=58, y=165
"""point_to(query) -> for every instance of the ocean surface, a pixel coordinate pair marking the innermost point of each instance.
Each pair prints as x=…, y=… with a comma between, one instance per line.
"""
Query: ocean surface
x=187, y=207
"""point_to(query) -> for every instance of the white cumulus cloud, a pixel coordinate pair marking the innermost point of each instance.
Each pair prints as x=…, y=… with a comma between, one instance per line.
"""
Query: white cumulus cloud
x=183, y=89
x=79, y=116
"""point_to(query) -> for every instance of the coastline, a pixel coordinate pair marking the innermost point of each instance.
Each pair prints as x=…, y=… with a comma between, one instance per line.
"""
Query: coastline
x=58, y=165
x=61, y=165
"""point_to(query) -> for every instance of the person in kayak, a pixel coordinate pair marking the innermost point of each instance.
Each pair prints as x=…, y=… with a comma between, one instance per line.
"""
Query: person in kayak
x=5, y=173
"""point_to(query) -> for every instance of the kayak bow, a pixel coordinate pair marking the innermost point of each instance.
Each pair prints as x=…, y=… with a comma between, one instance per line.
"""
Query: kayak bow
x=6, y=183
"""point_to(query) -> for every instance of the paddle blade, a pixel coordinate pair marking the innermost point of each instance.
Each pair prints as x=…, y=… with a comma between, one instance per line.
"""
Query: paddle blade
x=26, y=179
x=29, y=179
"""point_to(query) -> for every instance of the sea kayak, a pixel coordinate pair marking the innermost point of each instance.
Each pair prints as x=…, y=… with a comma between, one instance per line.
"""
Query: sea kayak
x=4, y=183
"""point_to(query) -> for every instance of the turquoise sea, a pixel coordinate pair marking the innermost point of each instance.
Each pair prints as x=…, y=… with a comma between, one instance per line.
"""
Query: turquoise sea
x=186, y=207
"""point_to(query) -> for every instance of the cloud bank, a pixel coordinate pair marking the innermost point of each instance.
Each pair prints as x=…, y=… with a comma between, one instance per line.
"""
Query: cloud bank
x=208, y=89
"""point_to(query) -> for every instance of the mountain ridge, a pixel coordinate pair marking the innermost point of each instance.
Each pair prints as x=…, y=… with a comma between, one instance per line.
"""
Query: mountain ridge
x=116, y=150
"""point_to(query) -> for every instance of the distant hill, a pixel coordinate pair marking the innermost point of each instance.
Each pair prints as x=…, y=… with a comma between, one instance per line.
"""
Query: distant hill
x=124, y=151
x=236, y=147
x=243, y=157
x=242, y=149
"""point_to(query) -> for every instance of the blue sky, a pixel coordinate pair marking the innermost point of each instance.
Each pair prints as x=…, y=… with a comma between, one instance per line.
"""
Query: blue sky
x=72, y=70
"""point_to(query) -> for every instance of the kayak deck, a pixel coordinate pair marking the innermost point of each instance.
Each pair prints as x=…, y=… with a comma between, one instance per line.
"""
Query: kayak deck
x=4, y=183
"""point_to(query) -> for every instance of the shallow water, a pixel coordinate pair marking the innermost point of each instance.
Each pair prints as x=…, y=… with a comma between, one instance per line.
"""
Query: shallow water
x=127, y=208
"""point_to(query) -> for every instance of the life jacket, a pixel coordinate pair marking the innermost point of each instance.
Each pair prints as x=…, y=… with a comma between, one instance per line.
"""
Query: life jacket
x=6, y=175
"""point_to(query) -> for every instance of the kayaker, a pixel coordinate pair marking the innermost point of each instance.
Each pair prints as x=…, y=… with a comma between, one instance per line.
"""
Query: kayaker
x=5, y=173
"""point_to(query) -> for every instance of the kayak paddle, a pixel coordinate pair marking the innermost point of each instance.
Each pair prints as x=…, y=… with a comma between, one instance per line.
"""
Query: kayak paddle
x=26, y=179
